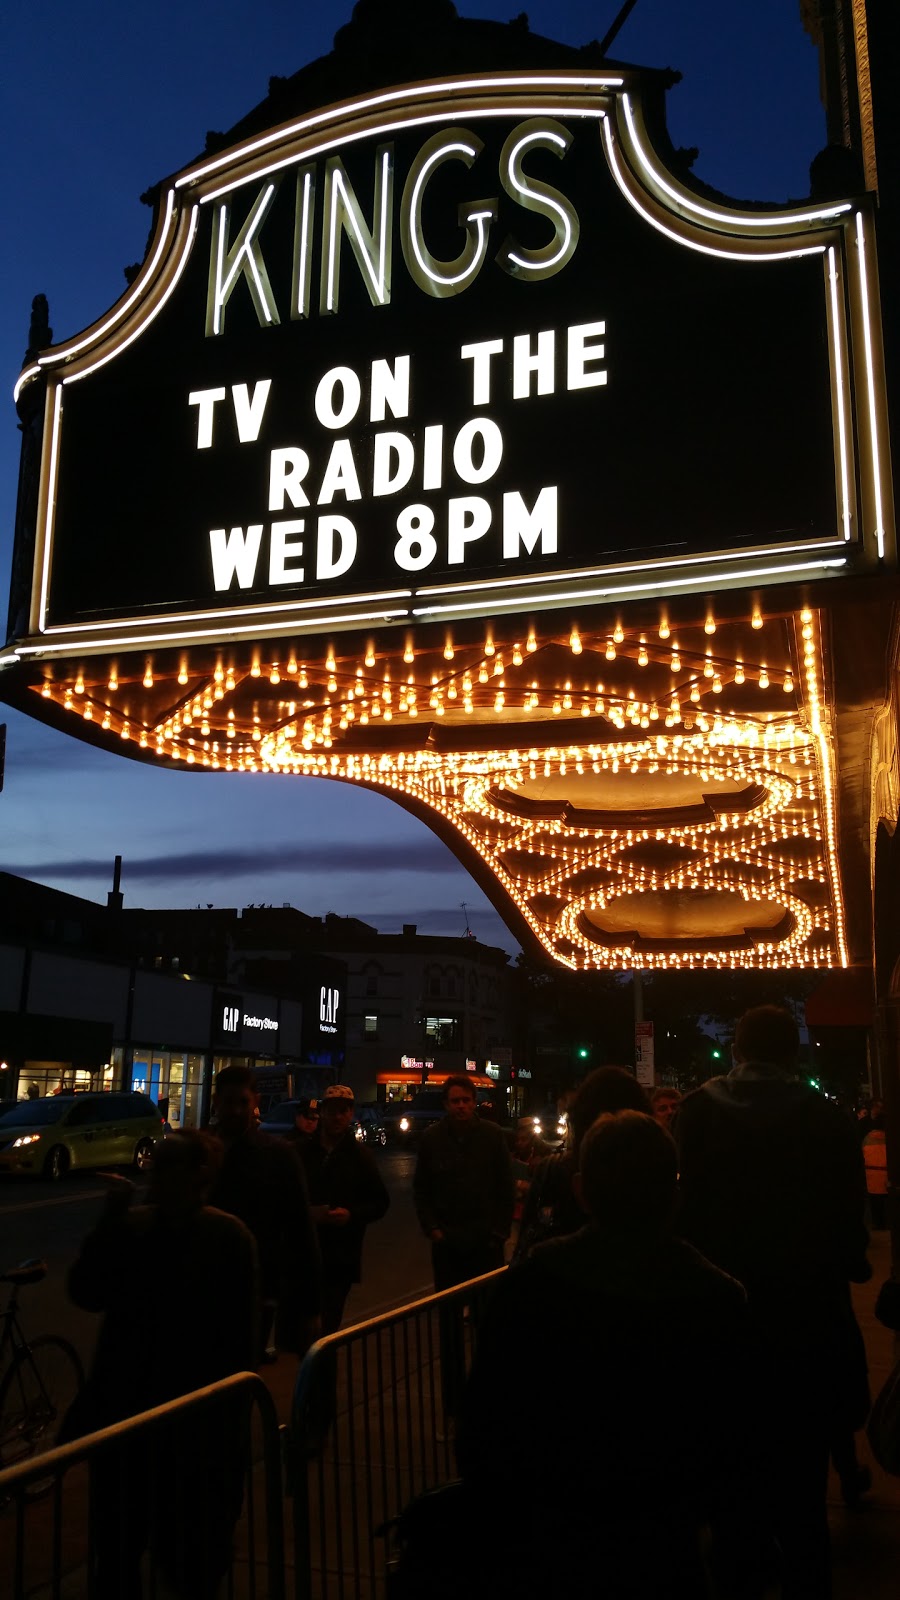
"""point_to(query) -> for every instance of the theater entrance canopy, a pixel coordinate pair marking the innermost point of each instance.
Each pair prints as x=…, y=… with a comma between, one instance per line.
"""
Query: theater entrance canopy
x=450, y=442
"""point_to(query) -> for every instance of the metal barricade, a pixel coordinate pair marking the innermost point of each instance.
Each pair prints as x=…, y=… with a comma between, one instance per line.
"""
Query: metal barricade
x=371, y=1428
x=184, y=1502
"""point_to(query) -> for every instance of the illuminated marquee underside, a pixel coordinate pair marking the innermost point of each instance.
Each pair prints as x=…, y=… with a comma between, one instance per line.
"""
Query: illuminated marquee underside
x=653, y=798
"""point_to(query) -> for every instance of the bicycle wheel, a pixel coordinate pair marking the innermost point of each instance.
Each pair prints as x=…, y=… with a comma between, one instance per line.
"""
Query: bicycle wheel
x=35, y=1395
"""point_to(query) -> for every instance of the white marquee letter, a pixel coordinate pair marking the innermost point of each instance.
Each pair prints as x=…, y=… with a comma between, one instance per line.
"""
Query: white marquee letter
x=527, y=527
x=392, y=451
x=340, y=474
x=287, y=469
x=545, y=134
x=343, y=215
x=244, y=259
x=351, y=394
x=468, y=518
x=336, y=547
x=235, y=555
x=249, y=412
x=526, y=361
x=282, y=549
x=492, y=448
x=443, y=278
x=480, y=357
x=581, y=352
x=205, y=400
x=390, y=388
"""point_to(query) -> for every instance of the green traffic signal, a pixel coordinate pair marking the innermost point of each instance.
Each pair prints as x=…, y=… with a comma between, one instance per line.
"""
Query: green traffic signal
x=583, y=1052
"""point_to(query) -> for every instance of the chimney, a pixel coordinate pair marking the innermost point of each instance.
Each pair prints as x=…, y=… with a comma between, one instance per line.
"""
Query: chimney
x=114, y=897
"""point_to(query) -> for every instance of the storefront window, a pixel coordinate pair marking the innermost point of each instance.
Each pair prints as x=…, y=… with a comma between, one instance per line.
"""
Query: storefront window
x=174, y=1081
x=60, y=1077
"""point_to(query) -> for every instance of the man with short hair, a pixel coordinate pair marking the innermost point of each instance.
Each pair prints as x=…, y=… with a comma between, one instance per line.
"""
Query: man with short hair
x=261, y=1181
x=463, y=1189
x=346, y=1193
x=773, y=1191
x=614, y=1488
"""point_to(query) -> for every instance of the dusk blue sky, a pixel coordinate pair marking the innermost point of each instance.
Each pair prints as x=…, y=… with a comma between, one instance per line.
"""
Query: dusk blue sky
x=98, y=103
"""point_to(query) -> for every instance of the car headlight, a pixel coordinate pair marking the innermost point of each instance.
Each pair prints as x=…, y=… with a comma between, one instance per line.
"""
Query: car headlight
x=404, y=1125
x=25, y=1138
x=360, y=1133
x=538, y=1126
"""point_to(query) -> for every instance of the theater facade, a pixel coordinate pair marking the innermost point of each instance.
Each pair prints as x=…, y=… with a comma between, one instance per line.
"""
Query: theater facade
x=452, y=441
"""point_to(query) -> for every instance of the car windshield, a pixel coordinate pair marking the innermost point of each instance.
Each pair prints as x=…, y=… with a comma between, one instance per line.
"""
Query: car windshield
x=35, y=1113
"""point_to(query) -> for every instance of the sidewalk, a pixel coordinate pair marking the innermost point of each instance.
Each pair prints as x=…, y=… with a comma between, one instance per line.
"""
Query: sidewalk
x=867, y=1542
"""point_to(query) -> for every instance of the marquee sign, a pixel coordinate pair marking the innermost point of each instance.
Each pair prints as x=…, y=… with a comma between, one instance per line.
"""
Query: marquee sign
x=397, y=361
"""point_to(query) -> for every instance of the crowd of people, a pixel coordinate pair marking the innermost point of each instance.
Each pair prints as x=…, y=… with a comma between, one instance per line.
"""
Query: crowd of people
x=712, y=1239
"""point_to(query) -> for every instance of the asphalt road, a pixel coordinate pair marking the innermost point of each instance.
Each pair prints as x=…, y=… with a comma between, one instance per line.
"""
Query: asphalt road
x=49, y=1221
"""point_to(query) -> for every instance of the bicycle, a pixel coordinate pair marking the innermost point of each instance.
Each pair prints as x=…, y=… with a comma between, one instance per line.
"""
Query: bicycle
x=41, y=1377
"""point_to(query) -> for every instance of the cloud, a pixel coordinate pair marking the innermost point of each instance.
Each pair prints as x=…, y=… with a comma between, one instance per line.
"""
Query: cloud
x=378, y=857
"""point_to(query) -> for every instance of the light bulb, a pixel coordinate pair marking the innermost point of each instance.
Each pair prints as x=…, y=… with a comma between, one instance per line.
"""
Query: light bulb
x=610, y=650
x=618, y=633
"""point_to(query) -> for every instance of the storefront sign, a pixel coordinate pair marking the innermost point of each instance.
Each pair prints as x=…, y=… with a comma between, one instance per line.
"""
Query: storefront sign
x=329, y=1005
x=410, y=1064
x=245, y=1022
x=397, y=368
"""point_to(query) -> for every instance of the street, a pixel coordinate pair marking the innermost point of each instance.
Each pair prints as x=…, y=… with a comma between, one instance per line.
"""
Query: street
x=48, y=1221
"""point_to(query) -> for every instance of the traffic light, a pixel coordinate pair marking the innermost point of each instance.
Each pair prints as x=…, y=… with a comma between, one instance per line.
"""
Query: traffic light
x=584, y=1052
x=716, y=1054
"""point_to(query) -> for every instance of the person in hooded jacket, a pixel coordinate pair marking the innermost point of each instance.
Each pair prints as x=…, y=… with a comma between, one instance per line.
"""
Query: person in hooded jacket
x=773, y=1192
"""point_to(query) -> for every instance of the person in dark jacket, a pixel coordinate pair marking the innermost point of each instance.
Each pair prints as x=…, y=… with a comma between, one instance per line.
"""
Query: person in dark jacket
x=614, y=1489
x=464, y=1192
x=773, y=1191
x=177, y=1283
x=463, y=1189
x=346, y=1193
x=261, y=1181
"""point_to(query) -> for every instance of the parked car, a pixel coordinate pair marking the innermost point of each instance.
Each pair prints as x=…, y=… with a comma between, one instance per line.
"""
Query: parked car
x=369, y=1126
x=67, y=1132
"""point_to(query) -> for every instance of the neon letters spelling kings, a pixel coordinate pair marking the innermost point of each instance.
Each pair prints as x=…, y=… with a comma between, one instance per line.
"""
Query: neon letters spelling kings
x=321, y=478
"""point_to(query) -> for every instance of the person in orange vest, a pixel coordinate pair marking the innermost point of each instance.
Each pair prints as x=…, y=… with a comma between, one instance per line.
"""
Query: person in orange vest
x=875, y=1157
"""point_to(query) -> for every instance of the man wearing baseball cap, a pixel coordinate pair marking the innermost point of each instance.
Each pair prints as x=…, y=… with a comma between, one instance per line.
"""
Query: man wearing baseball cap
x=306, y=1122
x=346, y=1193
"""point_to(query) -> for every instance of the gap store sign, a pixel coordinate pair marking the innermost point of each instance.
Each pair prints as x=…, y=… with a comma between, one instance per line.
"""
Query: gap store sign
x=453, y=349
